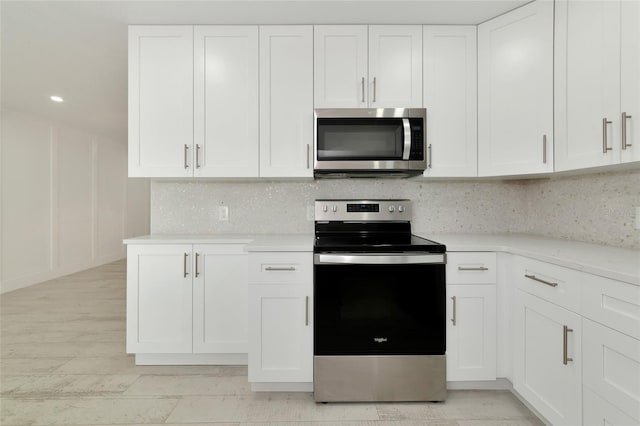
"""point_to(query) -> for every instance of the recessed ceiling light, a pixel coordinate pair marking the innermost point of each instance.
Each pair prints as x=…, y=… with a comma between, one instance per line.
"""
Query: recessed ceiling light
x=55, y=98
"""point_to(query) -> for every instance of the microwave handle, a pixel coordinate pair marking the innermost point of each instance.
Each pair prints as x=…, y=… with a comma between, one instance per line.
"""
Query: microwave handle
x=407, y=139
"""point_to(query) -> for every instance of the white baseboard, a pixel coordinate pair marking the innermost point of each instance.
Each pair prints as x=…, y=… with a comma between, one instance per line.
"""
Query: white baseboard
x=499, y=384
x=29, y=280
x=282, y=387
x=191, y=359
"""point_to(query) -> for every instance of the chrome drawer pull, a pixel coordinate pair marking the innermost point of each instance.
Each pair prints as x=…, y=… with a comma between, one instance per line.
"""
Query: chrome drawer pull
x=306, y=311
x=533, y=277
x=184, y=264
x=565, y=337
x=475, y=268
x=453, y=320
x=285, y=268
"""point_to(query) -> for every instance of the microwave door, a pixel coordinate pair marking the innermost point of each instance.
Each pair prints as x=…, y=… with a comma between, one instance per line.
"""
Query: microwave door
x=407, y=139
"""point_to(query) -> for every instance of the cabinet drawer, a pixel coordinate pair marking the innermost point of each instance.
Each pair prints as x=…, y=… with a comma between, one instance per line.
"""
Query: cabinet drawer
x=471, y=268
x=612, y=366
x=613, y=303
x=553, y=283
x=280, y=268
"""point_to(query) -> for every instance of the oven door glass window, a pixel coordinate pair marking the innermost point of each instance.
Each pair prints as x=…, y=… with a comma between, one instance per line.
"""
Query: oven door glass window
x=360, y=139
x=379, y=309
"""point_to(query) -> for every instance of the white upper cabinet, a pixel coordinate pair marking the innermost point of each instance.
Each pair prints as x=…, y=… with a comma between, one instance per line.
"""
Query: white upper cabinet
x=515, y=92
x=450, y=97
x=340, y=67
x=630, y=84
x=286, y=101
x=226, y=101
x=597, y=83
x=193, y=101
x=359, y=66
x=395, y=66
x=160, y=101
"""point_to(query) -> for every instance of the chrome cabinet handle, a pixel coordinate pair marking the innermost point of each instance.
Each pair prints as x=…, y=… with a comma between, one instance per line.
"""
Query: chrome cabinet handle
x=625, y=145
x=605, y=145
x=374, y=89
x=197, y=272
x=544, y=149
x=308, y=150
x=362, y=89
x=186, y=154
x=306, y=311
x=533, y=277
x=186, y=256
x=453, y=320
x=285, y=268
x=475, y=268
x=197, y=156
x=429, y=156
x=565, y=337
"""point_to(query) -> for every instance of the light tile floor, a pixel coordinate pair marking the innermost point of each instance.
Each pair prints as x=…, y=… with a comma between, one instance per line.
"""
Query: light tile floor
x=63, y=362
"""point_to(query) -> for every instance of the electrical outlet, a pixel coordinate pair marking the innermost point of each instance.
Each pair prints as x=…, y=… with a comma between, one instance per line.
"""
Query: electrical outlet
x=310, y=213
x=223, y=213
x=637, y=217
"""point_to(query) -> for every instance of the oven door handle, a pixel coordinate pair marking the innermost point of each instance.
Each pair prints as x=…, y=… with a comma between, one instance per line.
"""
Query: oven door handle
x=379, y=259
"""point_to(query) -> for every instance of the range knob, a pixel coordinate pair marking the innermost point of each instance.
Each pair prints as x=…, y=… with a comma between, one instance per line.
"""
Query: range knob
x=324, y=208
x=392, y=209
x=334, y=208
x=400, y=209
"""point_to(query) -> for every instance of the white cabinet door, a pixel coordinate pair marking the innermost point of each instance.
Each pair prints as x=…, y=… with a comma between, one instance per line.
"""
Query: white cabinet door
x=450, y=97
x=220, y=297
x=226, y=101
x=630, y=75
x=395, y=66
x=286, y=101
x=159, y=298
x=340, y=66
x=612, y=366
x=160, y=101
x=548, y=373
x=515, y=92
x=471, y=332
x=281, y=333
x=598, y=412
x=587, y=83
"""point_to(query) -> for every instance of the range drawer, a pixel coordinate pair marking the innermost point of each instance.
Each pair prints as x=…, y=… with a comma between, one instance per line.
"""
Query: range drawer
x=280, y=267
x=553, y=283
x=471, y=268
x=613, y=303
x=611, y=366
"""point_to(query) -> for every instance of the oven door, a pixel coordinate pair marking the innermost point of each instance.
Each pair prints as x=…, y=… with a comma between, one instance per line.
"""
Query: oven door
x=379, y=304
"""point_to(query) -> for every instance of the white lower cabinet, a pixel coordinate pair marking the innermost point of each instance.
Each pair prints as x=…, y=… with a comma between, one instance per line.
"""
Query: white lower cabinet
x=280, y=317
x=186, y=299
x=471, y=332
x=599, y=412
x=612, y=370
x=159, y=299
x=471, y=316
x=547, y=359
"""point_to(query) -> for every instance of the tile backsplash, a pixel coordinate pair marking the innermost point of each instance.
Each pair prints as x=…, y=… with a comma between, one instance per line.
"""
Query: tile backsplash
x=598, y=208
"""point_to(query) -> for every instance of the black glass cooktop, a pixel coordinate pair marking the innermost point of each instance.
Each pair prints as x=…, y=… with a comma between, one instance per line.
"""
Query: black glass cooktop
x=372, y=237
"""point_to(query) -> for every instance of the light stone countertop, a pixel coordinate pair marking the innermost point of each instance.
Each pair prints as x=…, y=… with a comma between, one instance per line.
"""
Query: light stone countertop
x=255, y=242
x=611, y=262
x=191, y=239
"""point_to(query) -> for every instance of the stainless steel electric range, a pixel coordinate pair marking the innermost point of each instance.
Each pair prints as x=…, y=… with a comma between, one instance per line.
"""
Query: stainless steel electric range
x=379, y=305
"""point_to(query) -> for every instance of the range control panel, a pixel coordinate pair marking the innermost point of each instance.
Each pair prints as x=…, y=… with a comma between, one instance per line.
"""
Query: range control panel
x=362, y=210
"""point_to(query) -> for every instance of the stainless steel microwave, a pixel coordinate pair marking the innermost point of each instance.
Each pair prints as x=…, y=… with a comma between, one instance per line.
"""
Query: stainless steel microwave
x=369, y=142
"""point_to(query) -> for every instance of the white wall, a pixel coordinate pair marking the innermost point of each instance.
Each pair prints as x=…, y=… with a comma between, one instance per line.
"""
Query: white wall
x=66, y=200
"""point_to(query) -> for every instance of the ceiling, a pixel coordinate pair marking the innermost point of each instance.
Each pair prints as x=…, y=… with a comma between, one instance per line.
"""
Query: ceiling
x=78, y=49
